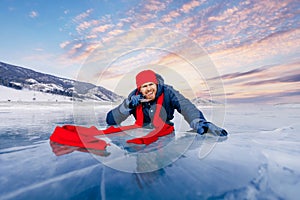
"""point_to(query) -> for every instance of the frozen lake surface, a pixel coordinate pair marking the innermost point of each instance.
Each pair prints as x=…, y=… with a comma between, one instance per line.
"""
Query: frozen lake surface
x=258, y=160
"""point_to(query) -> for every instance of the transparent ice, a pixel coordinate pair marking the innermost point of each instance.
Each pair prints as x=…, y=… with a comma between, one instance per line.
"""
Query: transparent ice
x=258, y=160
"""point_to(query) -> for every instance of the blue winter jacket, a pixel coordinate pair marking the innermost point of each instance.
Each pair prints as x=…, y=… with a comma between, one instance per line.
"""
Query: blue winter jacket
x=172, y=100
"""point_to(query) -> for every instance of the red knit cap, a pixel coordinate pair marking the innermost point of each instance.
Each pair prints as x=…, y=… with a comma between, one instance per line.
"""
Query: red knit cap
x=144, y=77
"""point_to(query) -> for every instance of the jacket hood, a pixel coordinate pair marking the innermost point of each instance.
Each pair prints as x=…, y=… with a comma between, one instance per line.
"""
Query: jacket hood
x=160, y=85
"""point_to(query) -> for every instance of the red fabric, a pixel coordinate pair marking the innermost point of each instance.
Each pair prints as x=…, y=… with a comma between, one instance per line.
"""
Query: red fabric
x=144, y=77
x=153, y=135
x=80, y=136
x=161, y=128
x=60, y=149
x=72, y=136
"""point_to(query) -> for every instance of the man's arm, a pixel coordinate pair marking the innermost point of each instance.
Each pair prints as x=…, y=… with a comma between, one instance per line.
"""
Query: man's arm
x=117, y=115
x=194, y=116
x=185, y=107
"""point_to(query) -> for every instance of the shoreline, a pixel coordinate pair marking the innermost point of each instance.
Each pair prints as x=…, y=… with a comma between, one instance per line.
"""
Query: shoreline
x=30, y=105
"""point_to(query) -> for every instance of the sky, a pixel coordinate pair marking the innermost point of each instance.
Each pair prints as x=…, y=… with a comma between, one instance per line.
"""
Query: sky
x=245, y=51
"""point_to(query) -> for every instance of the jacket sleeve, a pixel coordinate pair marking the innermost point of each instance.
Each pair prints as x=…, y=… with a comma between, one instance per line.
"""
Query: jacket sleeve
x=117, y=115
x=185, y=107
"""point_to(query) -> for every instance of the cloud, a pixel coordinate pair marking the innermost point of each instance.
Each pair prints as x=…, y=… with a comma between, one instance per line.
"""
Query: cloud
x=154, y=5
x=271, y=73
x=33, y=14
x=291, y=78
x=189, y=6
x=77, y=46
x=83, y=15
x=86, y=25
x=170, y=16
x=242, y=74
x=275, y=47
x=64, y=44
x=91, y=47
x=149, y=13
x=92, y=36
x=102, y=28
x=115, y=32
x=216, y=27
x=291, y=96
x=233, y=25
x=239, y=37
x=263, y=83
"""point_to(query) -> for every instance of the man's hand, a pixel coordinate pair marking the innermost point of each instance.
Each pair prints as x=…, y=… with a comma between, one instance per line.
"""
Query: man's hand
x=208, y=127
x=134, y=101
x=215, y=130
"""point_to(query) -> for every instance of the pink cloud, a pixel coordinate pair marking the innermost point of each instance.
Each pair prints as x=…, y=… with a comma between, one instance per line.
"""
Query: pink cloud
x=150, y=25
x=102, y=28
x=115, y=32
x=93, y=36
x=83, y=15
x=189, y=6
x=187, y=24
x=85, y=25
x=91, y=47
x=77, y=46
x=154, y=5
x=120, y=24
x=246, y=35
x=275, y=46
x=145, y=17
x=126, y=20
x=170, y=16
x=146, y=13
x=64, y=44
x=240, y=24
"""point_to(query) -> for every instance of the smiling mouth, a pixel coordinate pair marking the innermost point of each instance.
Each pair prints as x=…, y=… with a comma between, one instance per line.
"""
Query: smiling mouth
x=150, y=94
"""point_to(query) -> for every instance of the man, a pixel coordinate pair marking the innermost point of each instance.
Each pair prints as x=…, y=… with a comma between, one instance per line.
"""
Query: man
x=156, y=103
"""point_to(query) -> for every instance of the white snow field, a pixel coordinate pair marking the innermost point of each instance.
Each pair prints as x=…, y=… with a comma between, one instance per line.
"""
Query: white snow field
x=25, y=95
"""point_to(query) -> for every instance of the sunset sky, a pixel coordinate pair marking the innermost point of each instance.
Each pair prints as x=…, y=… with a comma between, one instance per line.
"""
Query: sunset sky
x=247, y=50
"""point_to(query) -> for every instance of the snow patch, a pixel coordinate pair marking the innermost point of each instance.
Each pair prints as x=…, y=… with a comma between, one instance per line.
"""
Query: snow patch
x=25, y=95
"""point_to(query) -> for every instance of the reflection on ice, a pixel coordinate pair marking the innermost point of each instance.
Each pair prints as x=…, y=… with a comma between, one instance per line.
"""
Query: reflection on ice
x=60, y=150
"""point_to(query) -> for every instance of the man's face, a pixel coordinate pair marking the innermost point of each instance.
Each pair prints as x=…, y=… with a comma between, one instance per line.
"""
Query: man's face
x=149, y=90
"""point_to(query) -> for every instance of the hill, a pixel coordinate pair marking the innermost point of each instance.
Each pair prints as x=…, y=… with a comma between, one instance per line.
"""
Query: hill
x=21, y=78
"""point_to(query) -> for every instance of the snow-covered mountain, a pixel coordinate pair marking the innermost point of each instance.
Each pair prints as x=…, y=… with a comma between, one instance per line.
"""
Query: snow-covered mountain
x=199, y=101
x=21, y=78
